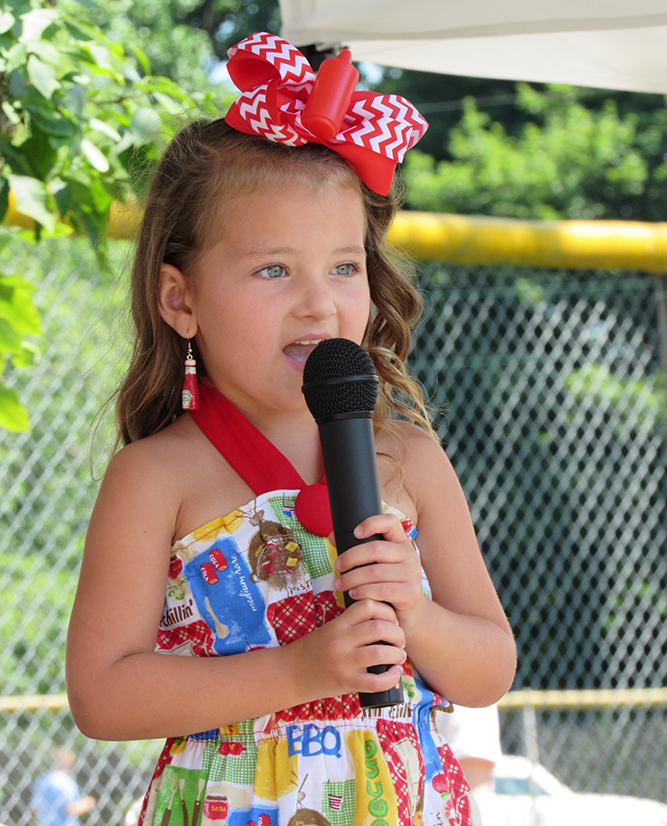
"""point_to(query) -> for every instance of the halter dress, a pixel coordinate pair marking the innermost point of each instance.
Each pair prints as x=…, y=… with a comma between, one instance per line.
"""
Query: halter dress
x=256, y=578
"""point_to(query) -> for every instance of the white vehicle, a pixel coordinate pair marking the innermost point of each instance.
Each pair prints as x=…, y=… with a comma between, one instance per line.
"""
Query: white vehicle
x=526, y=794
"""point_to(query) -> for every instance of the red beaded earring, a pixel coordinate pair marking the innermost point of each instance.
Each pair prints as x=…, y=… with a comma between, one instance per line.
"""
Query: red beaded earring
x=190, y=395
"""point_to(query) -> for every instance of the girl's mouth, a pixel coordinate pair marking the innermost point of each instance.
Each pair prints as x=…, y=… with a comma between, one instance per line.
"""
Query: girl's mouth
x=300, y=350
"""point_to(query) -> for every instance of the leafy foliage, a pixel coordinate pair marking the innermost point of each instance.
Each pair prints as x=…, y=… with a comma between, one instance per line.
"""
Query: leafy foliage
x=577, y=163
x=158, y=29
x=185, y=38
x=75, y=108
x=19, y=320
x=78, y=113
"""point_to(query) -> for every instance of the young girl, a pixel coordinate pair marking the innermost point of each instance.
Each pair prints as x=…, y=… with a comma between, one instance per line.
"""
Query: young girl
x=260, y=239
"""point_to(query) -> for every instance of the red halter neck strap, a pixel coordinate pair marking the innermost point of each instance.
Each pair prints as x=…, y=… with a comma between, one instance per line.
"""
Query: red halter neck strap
x=257, y=460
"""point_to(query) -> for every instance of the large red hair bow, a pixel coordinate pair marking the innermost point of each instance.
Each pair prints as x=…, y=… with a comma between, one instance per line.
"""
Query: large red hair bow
x=372, y=131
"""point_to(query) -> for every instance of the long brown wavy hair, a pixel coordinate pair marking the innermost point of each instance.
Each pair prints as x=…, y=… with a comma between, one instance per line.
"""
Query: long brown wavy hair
x=206, y=165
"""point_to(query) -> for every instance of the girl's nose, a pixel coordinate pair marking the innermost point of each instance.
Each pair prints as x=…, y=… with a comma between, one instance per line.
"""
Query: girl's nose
x=315, y=298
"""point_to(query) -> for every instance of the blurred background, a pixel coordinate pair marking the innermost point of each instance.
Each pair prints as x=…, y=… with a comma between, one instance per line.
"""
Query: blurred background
x=548, y=380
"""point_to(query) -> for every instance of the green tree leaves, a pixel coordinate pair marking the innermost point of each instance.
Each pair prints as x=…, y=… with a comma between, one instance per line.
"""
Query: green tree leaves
x=18, y=319
x=77, y=111
x=570, y=162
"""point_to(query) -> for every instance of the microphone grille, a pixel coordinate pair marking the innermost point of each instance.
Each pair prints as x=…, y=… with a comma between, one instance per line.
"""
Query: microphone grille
x=339, y=378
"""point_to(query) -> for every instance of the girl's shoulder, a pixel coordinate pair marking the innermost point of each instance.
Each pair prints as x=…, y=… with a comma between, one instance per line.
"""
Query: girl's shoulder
x=184, y=475
x=169, y=462
x=410, y=462
x=140, y=495
x=163, y=451
x=408, y=444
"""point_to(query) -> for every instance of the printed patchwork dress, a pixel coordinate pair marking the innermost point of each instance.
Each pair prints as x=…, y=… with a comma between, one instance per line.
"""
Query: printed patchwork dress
x=259, y=578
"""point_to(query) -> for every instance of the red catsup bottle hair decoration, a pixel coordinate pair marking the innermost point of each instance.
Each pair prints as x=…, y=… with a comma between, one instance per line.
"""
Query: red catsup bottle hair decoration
x=328, y=101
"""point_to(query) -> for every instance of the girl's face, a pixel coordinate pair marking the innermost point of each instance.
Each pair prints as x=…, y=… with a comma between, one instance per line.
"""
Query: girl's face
x=288, y=270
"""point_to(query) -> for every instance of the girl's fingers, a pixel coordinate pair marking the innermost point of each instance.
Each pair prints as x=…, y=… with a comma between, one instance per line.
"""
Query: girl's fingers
x=371, y=682
x=368, y=610
x=376, y=651
x=388, y=592
x=366, y=634
x=397, y=581
x=397, y=568
x=384, y=523
x=380, y=572
x=373, y=655
x=392, y=546
x=373, y=621
x=379, y=551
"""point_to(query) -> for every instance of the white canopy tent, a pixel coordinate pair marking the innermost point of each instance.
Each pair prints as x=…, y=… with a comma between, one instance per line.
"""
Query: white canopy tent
x=610, y=44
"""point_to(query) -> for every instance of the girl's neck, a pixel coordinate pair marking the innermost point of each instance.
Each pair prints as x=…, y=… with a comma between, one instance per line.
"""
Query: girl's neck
x=296, y=436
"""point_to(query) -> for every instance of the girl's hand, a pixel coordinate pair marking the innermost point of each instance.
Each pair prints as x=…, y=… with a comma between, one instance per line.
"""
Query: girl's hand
x=337, y=655
x=387, y=570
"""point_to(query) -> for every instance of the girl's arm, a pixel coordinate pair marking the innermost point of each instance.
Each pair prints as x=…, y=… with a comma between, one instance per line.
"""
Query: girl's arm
x=120, y=688
x=460, y=641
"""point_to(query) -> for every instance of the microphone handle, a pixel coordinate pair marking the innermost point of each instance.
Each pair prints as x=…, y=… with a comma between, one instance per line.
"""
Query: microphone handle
x=350, y=466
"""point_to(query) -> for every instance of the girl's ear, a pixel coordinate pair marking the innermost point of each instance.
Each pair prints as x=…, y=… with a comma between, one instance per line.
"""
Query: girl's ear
x=175, y=301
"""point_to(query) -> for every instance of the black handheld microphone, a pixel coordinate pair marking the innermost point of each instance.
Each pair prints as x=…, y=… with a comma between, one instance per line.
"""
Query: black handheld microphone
x=340, y=387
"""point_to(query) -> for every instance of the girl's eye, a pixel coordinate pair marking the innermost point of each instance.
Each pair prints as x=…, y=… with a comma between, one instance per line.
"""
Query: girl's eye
x=346, y=269
x=272, y=271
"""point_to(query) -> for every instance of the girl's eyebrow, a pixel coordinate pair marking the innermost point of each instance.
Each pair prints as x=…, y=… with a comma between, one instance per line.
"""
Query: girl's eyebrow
x=352, y=249
x=260, y=252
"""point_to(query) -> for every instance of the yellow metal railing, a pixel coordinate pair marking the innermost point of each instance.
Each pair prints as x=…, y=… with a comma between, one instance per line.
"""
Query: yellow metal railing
x=585, y=698
x=33, y=702
x=465, y=239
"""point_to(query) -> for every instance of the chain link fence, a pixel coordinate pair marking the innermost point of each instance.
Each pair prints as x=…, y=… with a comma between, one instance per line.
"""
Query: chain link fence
x=551, y=406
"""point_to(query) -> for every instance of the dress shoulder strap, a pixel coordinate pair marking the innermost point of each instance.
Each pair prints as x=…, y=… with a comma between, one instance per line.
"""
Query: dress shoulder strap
x=257, y=460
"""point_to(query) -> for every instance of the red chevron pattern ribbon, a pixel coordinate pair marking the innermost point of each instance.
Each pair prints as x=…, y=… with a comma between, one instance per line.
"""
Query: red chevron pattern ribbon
x=276, y=81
